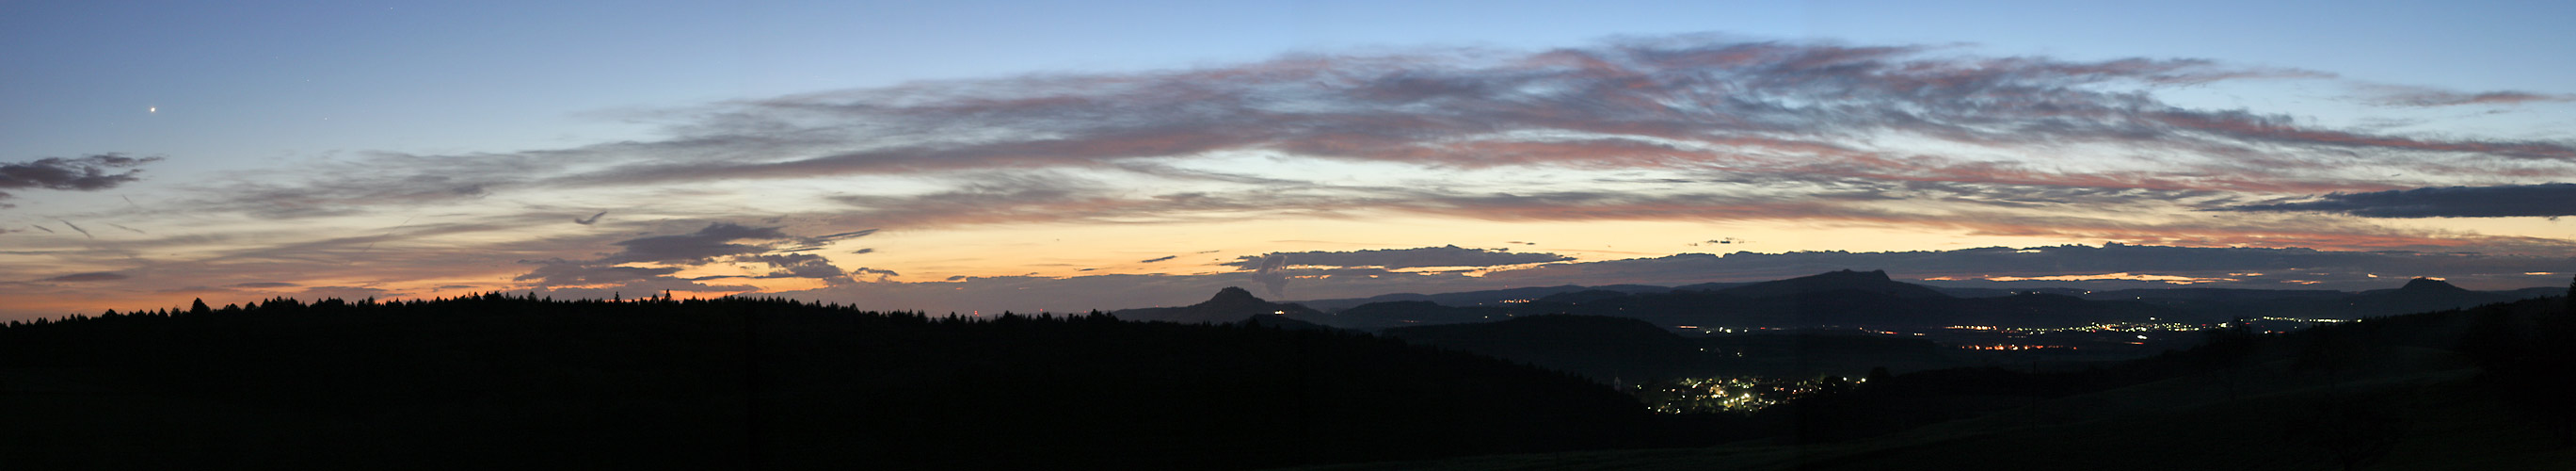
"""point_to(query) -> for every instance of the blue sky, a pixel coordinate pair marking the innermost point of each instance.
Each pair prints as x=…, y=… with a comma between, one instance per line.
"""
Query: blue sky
x=393, y=137
x=249, y=80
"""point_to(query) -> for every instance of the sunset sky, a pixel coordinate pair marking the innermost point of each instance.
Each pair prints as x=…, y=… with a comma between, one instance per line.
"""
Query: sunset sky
x=966, y=156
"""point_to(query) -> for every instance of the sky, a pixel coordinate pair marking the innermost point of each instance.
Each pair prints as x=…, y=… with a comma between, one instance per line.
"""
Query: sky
x=1066, y=156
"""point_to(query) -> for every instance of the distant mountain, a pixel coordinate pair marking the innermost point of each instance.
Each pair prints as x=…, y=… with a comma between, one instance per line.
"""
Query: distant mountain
x=1840, y=298
x=2429, y=286
x=2210, y=294
x=2417, y=295
x=1477, y=298
x=1579, y=297
x=1231, y=304
x=1872, y=298
x=1873, y=281
x=1711, y=286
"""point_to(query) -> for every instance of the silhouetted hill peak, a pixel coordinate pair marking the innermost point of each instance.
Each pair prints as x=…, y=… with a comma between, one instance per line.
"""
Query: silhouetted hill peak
x=1230, y=304
x=1873, y=281
x=1232, y=295
x=2429, y=285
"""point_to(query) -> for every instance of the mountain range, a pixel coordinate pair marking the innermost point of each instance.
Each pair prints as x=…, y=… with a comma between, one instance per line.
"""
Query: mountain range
x=1843, y=298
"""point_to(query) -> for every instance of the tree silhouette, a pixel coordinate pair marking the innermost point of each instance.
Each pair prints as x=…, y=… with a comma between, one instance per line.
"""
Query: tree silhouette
x=497, y=380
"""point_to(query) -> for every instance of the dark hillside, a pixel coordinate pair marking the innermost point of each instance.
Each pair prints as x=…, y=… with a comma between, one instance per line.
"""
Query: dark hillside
x=493, y=381
x=2481, y=388
x=1602, y=348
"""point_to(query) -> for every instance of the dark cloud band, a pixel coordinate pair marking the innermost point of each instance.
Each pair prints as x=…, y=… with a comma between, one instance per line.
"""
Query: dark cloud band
x=2545, y=200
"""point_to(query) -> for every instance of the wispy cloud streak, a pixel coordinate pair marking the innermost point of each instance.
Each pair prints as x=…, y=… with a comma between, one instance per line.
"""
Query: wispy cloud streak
x=2546, y=200
x=1784, y=109
x=2400, y=95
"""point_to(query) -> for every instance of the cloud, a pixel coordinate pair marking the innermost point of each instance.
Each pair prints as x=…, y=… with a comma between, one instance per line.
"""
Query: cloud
x=265, y=284
x=2546, y=200
x=593, y=219
x=560, y=272
x=344, y=293
x=94, y=276
x=1398, y=259
x=844, y=235
x=1795, y=111
x=1158, y=259
x=882, y=276
x=802, y=266
x=2402, y=95
x=1272, y=271
x=1676, y=128
x=718, y=242
x=2344, y=269
x=76, y=227
x=87, y=173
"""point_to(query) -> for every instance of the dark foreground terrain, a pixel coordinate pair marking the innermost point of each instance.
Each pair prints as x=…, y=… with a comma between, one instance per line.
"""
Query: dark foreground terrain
x=498, y=381
x=495, y=381
x=2481, y=388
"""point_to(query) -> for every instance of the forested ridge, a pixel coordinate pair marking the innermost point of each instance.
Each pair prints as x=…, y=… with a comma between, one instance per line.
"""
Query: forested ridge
x=496, y=380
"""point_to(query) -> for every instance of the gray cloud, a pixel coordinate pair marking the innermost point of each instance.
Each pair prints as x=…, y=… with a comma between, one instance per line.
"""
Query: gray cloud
x=882, y=276
x=93, y=276
x=380, y=182
x=76, y=227
x=344, y=292
x=2400, y=95
x=2548, y=200
x=560, y=272
x=1158, y=259
x=1788, y=111
x=719, y=242
x=265, y=284
x=1272, y=271
x=87, y=173
x=1397, y=259
x=800, y=266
